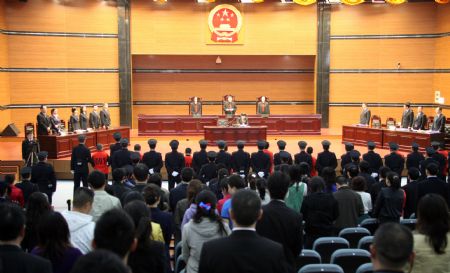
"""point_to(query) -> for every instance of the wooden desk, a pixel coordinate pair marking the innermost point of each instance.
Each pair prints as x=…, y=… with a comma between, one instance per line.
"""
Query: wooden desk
x=250, y=134
x=61, y=146
x=186, y=125
x=361, y=135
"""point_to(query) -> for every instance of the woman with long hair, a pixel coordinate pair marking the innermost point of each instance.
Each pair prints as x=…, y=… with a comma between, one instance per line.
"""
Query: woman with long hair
x=54, y=243
x=431, y=239
x=261, y=189
x=390, y=201
x=299, y=186
x=329, y=176
x=206, y=225
x=359, y=186
x=36, y=208
x=149, y=255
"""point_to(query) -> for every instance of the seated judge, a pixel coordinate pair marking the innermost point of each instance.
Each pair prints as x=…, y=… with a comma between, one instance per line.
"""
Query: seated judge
x=263, y=107
x=243, y=120
x=105, y=118
x=229, y=106
x=43, y=122
x=195, y=107
x=74, y=120
x=407, y=116
x=439, y=121
x=364, y=118
x=94, y=118
x=55, y=122
x=421, y=120
x=84, y=119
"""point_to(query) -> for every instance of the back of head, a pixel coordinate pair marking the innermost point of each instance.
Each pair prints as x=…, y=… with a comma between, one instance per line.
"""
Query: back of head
x=151, y=193
x=433, y=221
x=310, y=150
x=155, y=179
x=394, y=179
x=235, y=181
x=392, y=246
x=37, y=206
x=132, y=196
x=341, y=181
x=12, y=221
x=245, y=208
x=9, y=179
x=96, y=179
x=140, y=172
x=278, y=185
x=100, y=261
x=118, y=174
x=358, y=183
x=413, y=173
x=295, y=173
x=187, y=174
x=193, y=188
x=140, y=214
x=364, y=166
x=222, y=173
x=206, y=208
x=432, y=169
x=352, y=171
x=383, y=172
x=53, y=235
x=329, y=175
x=137, y=147
x=114, y=231
x=304, y=168
x=82, y=197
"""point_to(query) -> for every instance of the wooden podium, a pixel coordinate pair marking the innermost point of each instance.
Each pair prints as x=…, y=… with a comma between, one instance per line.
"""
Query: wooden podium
x=231, y=135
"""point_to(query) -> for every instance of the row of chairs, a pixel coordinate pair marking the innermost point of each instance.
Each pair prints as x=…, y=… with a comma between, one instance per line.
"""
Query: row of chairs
x=372, y=224
x=334, y=268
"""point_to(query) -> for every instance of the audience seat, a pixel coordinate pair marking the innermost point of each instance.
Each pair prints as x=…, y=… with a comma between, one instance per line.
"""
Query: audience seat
x=412, y=216
x=353, y=235
x=321, y=268
x=365, y=242
x=325, y=246
x=177, y=251
x=410, y=223
x=371, y=224
x=306, y=257
x=365, y=268
x=350, y=259
x=180, y=264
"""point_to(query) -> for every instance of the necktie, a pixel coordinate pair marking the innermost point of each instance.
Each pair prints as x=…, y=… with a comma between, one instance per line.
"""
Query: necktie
x=263, y=107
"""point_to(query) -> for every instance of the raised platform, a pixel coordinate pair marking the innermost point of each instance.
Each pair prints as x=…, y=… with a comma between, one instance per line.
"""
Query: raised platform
x=166, y=125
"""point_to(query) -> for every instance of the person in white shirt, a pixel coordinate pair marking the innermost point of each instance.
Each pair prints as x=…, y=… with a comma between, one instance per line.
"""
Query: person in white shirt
x=80, y=223
x=102, y=200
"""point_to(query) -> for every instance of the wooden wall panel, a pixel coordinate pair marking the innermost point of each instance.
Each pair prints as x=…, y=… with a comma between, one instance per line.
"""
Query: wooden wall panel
x=5, y=115
x=181, y=28
x=408, y=18
x=30, y=88
x=73, y=16
x=443, y=23
x=384, y=53
x=56, y=52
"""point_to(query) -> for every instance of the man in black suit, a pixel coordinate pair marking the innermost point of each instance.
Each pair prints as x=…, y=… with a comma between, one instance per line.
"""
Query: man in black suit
x=116, y=146
x=407, y=116
x=303, y=156
x=280, y=223
x=394, y=160
x=105, y=117
x=25, y=185
x=81, y=157
x=240, y=159
x=374, y=159
x=209, y=170
x=364, y=171
x=223, y=157
x=277, y=156
x=244, y=250
x=174, y=162
x=122, y=157
x=326, y=158
x=439, y=121
x=429, y=159
x=432, y=184
x=364, y=117
x=43, y=175
x=260, y=161
x=414, y=158
x=411, y=192
x=345, y=158
x=43, y=122
x=94, y=118
x=439, y=158
x=12, y=232
x=421, y=120
x=180, y=191
x=200, y=158
x=152, y=158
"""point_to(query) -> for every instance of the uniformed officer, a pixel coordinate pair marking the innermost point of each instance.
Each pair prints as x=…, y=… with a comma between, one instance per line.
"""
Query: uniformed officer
x=209, y=170
x=414, y=158
x=260, y=161
x=429, y=159
x=152, y=158
x=439, y=158
x=200, y=158
x=354, y=157
x=346, y=158
x=81, y=157
x=374, y=159
x=277, y=156
x=122, y=157
x=116, y=146
x=303, y=156
x=223, y=157
x=241, y=159
x=284, y=165
x=326, y=158
x=174, y=162
x=394, y=160
x=43, y=175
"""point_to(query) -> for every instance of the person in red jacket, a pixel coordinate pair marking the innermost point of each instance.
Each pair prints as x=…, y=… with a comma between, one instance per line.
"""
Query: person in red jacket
x=266, y=151
x=101, y=160
x=310, y=150
x=15, y=194
x=188, y=158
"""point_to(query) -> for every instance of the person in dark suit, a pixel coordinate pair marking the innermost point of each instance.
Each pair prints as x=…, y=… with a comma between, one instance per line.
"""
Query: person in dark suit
x=210, y=169
x=152, y=158
x=94, y=118
x=428, y=160
x=180, y=191
x=43, y=175
x=280, y=223
x=74, y=120
x=43, y=122
x=394, y=160
x=411, y=192
x=244, y=250
x=105, y=117
x=240, y=159
x=12, y=232
x=195, y=108
x=347, y=158
x=414, y=158
x=260, y=161
x=277, y=156
x=174, y=162
x=421, y=120
x=25, y=185
x=29, y=145
x=81, y=157
x=326, y=158
x=223, y=157
x=55, y=122
x=303, y=156
x=364, y=117
x=122, y=157
x=439, y=121
x=407, y=116
x=374, y=159
x=84, y=118
x=432, y=184
x=364, y=171
x=116, y=146
x=200, y=158
x=441, y=159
